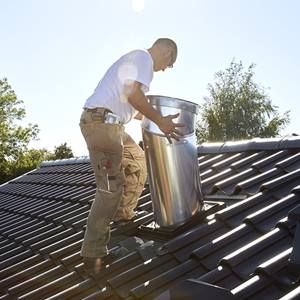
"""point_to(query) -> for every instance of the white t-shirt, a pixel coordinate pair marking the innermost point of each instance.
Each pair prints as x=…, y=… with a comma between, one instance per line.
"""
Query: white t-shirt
x=112, y=90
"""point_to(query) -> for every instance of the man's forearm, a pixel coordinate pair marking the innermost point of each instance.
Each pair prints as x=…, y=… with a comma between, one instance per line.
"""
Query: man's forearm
x=139, y=116
x=165, y=123
x=139, y=101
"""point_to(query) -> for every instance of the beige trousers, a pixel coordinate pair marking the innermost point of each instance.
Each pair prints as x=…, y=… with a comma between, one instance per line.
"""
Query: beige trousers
x=120, y=172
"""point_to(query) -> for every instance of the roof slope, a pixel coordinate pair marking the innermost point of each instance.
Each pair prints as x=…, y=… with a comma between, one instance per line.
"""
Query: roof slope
x=241, y=243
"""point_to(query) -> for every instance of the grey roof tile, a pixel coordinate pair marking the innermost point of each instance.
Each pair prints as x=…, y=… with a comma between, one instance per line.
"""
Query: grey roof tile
x=204, y=165
x=189, y=237
x=252, y=185
x=243, y=247
x=222, y=276
x=227, y=186
x=235, y=214
x=37, y=281
x=267, y=217
x=258, y=287
x=211, y=253
x=292, y=295
x=289, y=164
x=85, y=287
x=268, y=162
x=167, y=279
x=244, y=260
x=247, y=161
x=282, y=185
x=224, y=163
x=42, y=292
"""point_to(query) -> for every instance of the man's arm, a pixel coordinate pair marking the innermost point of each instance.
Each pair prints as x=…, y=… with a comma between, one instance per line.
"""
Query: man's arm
x=139, y=116
x=140, y=102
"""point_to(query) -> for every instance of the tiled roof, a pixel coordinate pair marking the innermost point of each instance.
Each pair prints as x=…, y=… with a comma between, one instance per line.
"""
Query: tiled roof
x=240, y=246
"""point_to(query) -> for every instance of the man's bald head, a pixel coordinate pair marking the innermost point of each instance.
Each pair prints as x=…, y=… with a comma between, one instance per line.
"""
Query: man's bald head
x=166, y=42
x=164, y=53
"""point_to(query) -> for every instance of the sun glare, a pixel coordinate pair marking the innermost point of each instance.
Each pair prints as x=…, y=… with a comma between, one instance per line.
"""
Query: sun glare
x=138, y=5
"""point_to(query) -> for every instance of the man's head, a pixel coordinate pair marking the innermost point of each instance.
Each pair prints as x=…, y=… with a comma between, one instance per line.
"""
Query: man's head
x=164, y=54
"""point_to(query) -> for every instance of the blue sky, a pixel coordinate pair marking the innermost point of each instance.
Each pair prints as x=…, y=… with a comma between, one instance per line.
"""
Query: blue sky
x=54, y=52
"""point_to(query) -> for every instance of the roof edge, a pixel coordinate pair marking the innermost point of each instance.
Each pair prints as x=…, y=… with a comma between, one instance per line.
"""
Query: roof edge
x=67, y=161
x=287, y=142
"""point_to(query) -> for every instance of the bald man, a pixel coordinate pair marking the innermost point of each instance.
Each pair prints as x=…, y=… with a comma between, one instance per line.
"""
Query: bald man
x=118, y=162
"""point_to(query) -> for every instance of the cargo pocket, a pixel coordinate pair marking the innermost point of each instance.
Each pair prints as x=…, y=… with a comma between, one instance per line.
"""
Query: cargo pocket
x=135, y=171
x=132, y=175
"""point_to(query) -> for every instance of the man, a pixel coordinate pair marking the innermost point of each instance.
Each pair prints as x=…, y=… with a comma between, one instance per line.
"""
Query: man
x=118, y=162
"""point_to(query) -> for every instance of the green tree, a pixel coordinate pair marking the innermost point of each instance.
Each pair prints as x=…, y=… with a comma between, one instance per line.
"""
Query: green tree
x=62, y=151
x=15, y=156
x=14, y=137
x=27, y=161
x=238, y=108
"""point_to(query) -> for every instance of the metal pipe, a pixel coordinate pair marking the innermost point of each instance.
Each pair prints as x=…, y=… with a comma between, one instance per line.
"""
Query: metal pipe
x=173, y=172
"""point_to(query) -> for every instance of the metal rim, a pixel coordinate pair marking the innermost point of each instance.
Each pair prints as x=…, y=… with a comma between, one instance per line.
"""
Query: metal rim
x=174, y=103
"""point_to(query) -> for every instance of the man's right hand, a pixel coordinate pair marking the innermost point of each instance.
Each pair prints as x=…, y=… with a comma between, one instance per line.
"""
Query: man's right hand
x=139, y=101
x=169, y=128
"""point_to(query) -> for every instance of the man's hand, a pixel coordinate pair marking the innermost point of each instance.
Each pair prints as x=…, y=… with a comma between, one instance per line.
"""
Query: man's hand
x=169, y=128
x=138, y=100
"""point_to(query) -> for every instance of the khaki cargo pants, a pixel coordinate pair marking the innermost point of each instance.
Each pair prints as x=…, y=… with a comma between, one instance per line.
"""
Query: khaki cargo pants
x=120, y=173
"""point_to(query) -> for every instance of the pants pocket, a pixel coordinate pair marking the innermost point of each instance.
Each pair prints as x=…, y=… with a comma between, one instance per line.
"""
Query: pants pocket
x=103, y=137
x=134, y=170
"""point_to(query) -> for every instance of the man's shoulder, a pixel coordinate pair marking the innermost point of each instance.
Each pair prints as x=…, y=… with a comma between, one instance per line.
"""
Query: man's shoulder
x=138, y=53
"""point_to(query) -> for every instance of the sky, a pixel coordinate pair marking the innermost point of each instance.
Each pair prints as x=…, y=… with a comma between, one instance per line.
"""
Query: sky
x=54, y=52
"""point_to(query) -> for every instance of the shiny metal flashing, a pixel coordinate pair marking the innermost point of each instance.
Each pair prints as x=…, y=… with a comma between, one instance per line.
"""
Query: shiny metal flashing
x=173, y=167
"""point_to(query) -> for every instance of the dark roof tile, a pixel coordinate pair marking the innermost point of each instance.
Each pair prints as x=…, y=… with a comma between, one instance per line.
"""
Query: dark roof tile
x=267, y=217
x=15, y=259
x=204, y=165
x=243, y=248
x=222, y=276
x=184, y=253
x=247, y=161
x=257, y=287
x=84, y=288
x=64, y=238
x=35, y=233
x=244, y=260
x=208, y=183
x=223, y=164
x=282, y=180
x=37, y=241
x=63, y=282
x=236, y=213
x=269, y=161
x=227, y=186
x=190, y=236
x=290, y=164
x=167, y=279
x=66, y=250
x=252, y=185
x=20, y=266
x=211, y=253
x=274, y=265
x=37, y=281
x=293, y=295
x=26, y=227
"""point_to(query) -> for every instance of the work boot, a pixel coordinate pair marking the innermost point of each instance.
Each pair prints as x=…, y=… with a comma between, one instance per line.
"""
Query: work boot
x=92, y=265
x=137, y=214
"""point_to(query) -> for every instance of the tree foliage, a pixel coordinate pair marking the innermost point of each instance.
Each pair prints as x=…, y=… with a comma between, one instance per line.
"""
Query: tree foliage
x=14, y=137
x=238, y=108
x=60, y=152
x=15, y=156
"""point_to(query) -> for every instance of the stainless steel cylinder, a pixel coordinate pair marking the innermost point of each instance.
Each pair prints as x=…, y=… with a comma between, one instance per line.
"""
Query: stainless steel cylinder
x=173, y=173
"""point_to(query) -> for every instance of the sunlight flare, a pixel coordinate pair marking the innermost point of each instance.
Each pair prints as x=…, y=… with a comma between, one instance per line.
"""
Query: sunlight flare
x=138, y=5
